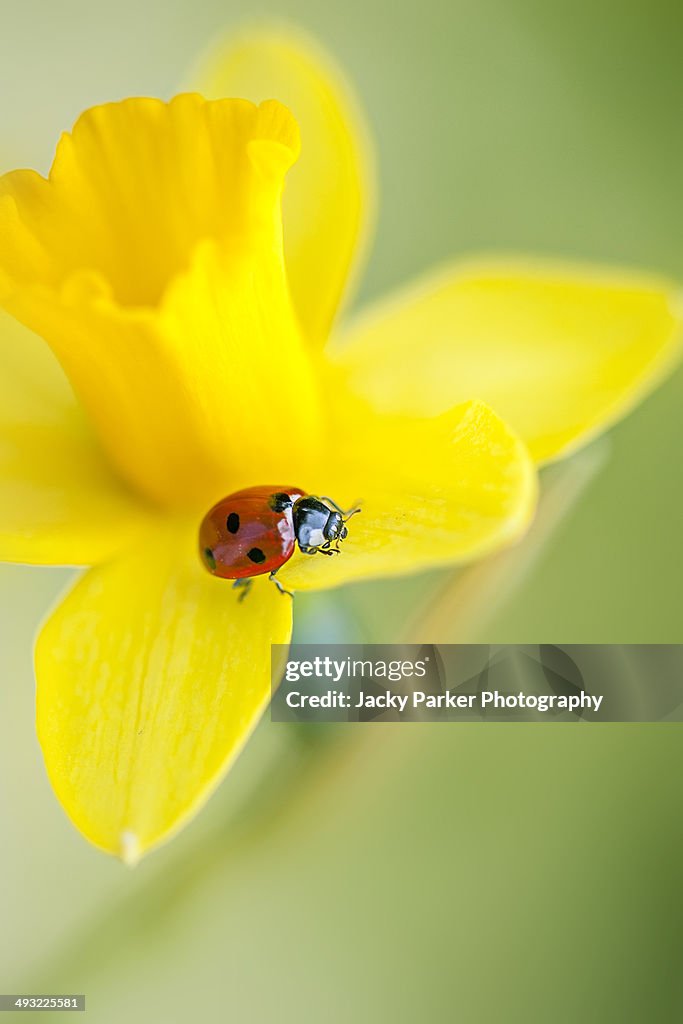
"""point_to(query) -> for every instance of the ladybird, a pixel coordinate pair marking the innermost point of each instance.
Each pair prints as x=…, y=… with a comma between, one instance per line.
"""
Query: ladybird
x=255, y=531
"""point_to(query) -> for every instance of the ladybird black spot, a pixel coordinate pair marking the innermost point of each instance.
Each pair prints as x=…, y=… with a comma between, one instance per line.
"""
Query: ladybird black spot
x=209, y=559
x=233, y=522
x=280, y=501
x=256, y=555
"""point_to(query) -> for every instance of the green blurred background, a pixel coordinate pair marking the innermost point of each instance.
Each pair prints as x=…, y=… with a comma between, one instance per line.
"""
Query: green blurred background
x=405, y=873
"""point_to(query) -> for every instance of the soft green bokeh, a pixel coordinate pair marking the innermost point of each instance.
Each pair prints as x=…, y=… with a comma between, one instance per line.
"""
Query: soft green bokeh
x=467, y=873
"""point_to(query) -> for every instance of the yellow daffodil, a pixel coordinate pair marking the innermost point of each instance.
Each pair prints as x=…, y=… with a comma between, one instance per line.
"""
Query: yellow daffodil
x=190, y=363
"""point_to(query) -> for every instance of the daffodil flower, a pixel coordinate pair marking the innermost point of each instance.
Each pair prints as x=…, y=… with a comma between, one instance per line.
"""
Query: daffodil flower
x=190, y=363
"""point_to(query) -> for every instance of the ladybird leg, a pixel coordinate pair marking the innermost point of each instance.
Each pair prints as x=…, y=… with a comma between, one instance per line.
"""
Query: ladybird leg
x=244, y=586
x=271, y=576
x=327, y=549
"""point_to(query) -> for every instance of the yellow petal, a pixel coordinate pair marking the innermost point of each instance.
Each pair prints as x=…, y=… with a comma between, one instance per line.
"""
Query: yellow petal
x=152, y=263
x=329, y=200
x=432, y=492
x=59, y=502
x=559, y=352
x=151, y=676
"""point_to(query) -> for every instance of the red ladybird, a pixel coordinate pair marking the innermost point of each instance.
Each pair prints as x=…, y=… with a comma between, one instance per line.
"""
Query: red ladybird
x=255, y=531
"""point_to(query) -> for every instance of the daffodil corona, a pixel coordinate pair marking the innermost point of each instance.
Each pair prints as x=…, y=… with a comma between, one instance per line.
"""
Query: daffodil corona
x=172, y=353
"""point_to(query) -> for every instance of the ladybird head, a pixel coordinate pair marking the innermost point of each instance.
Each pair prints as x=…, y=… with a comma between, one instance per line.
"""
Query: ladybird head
x=334, y=527
x=318, y=526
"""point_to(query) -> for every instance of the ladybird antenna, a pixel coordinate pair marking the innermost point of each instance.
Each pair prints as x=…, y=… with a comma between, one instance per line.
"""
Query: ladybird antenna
x=345, y=515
